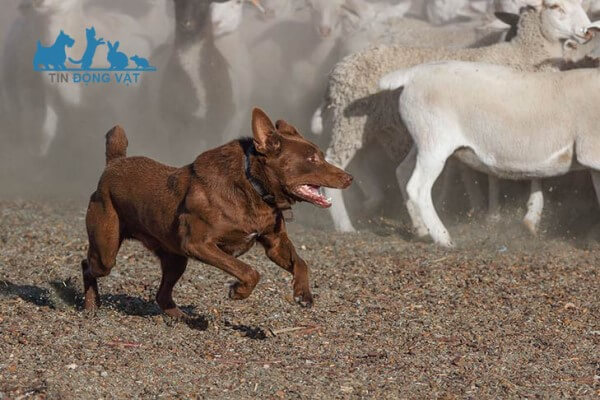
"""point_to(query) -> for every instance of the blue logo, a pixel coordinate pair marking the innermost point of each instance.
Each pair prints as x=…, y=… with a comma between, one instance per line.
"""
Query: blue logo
x=120, y=68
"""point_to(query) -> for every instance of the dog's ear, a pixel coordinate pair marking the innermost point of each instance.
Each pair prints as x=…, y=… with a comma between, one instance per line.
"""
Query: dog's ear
x=285, y=128
x=265, y=139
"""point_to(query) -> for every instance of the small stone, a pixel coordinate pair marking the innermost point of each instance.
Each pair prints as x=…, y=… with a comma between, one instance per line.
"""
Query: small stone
x=72, y=366
x=347, y=389
x=104, y=374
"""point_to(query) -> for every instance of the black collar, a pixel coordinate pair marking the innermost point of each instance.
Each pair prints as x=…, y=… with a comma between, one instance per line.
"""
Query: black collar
x=260, y=189
x=256, y=184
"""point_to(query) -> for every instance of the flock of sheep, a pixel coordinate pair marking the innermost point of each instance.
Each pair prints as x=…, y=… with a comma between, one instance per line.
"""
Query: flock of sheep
x=497, y=130
x=400, y=73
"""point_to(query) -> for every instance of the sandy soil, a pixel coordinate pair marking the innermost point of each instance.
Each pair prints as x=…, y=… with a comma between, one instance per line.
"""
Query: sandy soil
x=503, y=316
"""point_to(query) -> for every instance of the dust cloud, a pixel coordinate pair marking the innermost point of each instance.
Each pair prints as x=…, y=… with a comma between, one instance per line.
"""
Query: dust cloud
x=200, y=96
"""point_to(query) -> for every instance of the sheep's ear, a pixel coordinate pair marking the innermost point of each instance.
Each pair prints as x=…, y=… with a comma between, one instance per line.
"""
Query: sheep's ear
x=570, y=44
x=265, y=139
x=594, y=27
x=116, y=45
x=508, y=18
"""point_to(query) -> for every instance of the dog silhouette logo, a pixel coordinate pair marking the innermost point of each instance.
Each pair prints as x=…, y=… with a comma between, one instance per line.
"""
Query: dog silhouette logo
x=54, y=57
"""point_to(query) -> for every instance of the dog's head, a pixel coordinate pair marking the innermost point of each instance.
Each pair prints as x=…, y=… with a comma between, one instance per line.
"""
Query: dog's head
x=295, y=167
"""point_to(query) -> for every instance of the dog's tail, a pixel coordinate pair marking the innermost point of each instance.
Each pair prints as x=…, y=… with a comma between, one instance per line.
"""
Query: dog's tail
x=116, y=144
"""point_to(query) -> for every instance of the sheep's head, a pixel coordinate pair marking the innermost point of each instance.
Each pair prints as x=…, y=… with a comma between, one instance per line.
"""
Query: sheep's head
x=226, y=17
x=326, y=15
x=565, y=19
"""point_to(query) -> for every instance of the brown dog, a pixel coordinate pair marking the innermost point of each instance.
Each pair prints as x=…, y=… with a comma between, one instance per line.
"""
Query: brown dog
x=212, y=210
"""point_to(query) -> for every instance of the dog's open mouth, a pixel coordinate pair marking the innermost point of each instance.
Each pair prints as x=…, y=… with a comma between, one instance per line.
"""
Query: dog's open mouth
x=312, y=194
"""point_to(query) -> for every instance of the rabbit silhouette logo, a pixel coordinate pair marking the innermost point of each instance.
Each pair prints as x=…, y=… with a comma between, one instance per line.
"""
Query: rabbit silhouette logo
x=118, y=67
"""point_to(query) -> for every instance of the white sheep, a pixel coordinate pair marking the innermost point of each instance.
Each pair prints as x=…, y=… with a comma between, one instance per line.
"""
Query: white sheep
x=513, y=124
x=369, y=24
x=356, y=112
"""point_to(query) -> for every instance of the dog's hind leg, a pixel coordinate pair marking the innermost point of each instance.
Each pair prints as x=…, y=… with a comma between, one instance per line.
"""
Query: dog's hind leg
x=105, y=240
x=173, y=267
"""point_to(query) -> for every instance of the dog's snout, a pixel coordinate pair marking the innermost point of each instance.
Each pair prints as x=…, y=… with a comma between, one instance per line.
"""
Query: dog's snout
x=347, y=180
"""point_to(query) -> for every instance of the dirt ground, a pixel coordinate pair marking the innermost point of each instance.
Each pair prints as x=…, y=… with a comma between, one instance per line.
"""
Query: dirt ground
x=503, y=316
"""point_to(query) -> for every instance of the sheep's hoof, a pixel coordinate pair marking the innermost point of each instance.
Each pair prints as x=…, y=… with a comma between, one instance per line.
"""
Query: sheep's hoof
x=531, y=226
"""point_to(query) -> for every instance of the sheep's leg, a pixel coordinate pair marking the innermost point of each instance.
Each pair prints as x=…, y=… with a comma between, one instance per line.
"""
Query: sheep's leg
x=596, y=182
x=493, y=199
x=427, y=169
x=341, y=219
x=48, y=130
x=535, y=205
x=403, y=173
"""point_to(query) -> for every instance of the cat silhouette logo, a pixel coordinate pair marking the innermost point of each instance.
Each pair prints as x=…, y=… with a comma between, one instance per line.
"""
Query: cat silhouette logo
x=118, y=66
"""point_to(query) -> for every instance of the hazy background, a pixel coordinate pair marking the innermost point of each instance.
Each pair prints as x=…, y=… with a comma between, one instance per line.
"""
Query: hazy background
x=70, y=163
x=278, y=65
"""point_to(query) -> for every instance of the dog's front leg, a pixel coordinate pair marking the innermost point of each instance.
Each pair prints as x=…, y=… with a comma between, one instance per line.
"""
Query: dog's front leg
x=281, y=251
x=210, y=253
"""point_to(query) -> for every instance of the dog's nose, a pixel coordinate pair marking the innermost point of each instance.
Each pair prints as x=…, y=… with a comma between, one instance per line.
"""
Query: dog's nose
x=347, y=180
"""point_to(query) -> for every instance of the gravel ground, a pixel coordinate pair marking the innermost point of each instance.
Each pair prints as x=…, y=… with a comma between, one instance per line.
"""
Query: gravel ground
x=503, y=316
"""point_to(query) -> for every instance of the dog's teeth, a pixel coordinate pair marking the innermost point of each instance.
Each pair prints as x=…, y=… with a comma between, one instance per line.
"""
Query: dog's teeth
x=329, y=199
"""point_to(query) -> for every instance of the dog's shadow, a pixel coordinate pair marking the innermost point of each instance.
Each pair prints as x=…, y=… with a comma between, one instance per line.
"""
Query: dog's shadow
x=64, y=295
x=251, y=332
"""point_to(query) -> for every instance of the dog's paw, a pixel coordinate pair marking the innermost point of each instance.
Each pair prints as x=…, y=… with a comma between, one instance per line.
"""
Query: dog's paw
x=238, y=292
x=305, y=300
